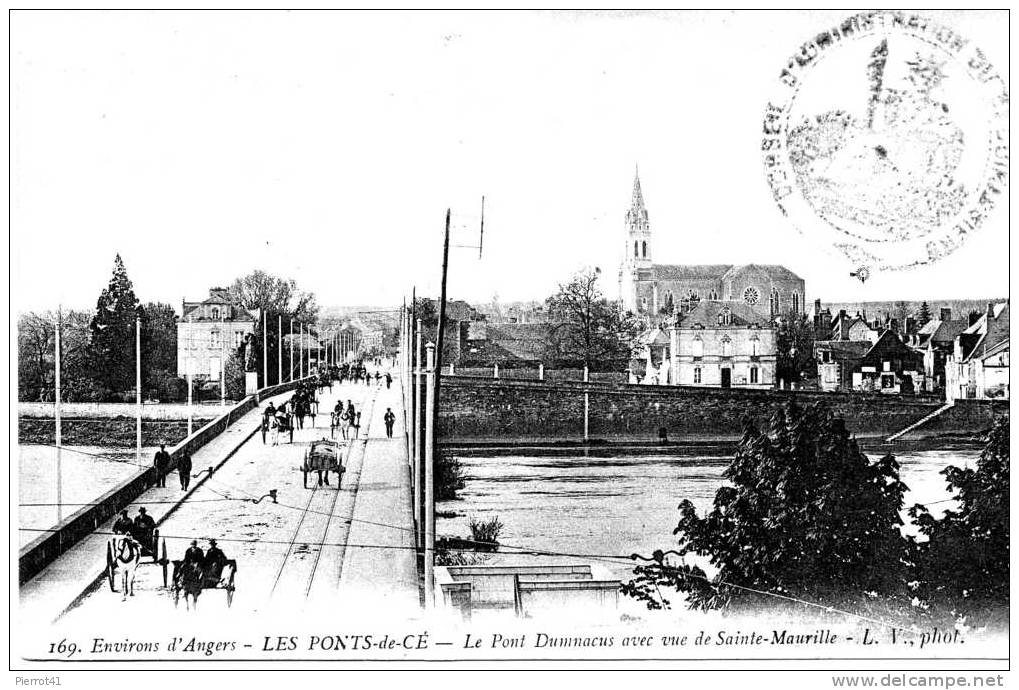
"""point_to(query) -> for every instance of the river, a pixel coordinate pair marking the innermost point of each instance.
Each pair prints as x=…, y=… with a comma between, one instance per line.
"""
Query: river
x=621, y=505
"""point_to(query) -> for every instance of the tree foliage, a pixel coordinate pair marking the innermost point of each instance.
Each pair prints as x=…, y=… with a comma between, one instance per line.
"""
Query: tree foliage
x=964, y=560
x=111, y=347
x=924, y=316
x=794, y=343
x=805, y=515
x=271, y=294
x=584, y=327
x=159, y=349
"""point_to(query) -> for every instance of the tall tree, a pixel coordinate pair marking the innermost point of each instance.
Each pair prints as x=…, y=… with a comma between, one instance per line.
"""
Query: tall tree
x=275, y=295
x=586, y=328
x=804, y=514
x=794, y=343
x=924, y=316
x=35, y=356
x=964, y=561
x=111, y=347
x=159, y=345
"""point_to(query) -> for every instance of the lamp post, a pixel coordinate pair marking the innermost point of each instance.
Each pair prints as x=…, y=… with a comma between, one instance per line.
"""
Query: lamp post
x=430, y=480
x=56, y=416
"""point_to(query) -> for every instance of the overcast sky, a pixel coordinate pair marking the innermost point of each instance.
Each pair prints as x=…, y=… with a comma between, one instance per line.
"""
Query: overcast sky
x=326, y=147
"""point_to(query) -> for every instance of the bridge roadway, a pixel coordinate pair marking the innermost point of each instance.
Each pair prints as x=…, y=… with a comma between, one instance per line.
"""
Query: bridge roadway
x=296, y=554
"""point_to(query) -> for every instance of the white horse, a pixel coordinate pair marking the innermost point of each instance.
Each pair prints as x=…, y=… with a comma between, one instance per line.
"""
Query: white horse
x=127, y=556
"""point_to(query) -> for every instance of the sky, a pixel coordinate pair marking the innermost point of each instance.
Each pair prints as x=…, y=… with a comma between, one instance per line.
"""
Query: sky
x=327, y=147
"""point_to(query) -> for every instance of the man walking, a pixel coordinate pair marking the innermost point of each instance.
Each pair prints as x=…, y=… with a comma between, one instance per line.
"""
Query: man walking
x=162, y=463
x=184, y=469
x=390, y=419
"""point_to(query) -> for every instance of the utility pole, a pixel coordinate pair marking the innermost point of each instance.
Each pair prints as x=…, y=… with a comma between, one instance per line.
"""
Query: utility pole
x=222, y=360
x=291, y=376
x=56, y=416
x=265, y=350
x=188, y=359
x=431, y=375
x=418, y=465
x=138, y=386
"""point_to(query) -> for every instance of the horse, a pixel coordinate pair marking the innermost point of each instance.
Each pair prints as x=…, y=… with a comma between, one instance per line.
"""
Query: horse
x=127, y=556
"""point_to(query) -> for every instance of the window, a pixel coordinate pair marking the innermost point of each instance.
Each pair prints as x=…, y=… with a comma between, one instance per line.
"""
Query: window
x=725, y=317
x=215, y=312
x=644, y=248
x=215, y=339
x=635, y=249
x=643, y=303
x=755, y=346
x=796, y=303
x=214, y=368
x=751, y=295
x=238, y=338
x=753, y=375
x=696, y=374
x=698, y=348
x=726, y=347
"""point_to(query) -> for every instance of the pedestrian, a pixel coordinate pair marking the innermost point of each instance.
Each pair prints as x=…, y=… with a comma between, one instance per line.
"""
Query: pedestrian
x=312, y=411
x=162, y=463
x=357, y=424
x=302, y=410
x=390, y=419
x=389, y=380
x=267, y=415
x=184, y=469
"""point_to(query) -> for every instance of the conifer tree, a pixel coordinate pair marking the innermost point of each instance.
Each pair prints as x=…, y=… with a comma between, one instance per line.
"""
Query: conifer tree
x=111, y=355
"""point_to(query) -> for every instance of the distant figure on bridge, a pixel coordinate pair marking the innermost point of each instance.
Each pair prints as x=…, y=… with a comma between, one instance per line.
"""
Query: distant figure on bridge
x=267, y=415
x=194, y=554
x=123, y=525
x=389, y=380
x=357, y=424
x=184, y=469
x=144, y=525
x=390, y=419
x=162, y=463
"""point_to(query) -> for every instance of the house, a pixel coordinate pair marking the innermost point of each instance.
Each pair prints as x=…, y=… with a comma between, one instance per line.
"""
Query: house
x=209, y=332
x=845, y=327
x=506, y=344
x=936, y=341
x=887, y=365
x=727, y=344
x=978, y=364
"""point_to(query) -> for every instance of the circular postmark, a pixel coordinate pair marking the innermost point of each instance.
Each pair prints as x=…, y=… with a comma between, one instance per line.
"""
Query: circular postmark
x=887, y=137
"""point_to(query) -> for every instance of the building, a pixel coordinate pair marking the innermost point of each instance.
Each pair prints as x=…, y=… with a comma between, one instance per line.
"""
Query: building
x=887, y=365
x=658, y=290
x=936, y=341
x=723, y=344
x=209, y=332
x=978, y=364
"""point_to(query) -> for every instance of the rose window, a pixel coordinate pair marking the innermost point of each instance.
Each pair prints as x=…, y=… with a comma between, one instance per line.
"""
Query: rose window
x=751, y=295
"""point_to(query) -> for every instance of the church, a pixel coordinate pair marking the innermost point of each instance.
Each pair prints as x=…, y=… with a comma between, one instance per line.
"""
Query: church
x=661, y=290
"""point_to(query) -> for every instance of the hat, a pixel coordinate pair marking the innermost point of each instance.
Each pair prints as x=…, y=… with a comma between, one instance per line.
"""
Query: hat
x=141, y=510
x=212, y=542
x=194, y=542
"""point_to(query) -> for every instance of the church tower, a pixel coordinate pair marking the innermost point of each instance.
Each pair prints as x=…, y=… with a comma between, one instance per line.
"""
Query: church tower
x=636, y=265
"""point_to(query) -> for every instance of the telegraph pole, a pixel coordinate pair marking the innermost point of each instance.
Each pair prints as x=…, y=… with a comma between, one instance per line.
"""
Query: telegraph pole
x=56, y=417
x=191, y=418
x=265, y=350
x=222, y=360
x=138, y=386
x=279, y=348
x=431, y=375
x=291, y=376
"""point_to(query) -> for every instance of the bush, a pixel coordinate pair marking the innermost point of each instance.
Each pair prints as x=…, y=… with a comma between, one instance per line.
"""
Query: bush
x=449, y=476
x=486, y=532
x=807, y=515
x=964, y=562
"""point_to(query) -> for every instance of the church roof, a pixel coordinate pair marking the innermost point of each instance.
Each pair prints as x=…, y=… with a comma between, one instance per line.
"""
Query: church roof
x=689, y=271
x=637, y=199
x=770, y=270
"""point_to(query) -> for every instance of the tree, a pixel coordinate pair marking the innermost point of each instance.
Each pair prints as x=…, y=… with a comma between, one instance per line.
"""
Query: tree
x=111, y=355
x=805, y=515
x=924, y=316
x=159, y=349
x=274, y=295
x=586, y=328
x=964, y=561
x=794, y=343
x=35, y=356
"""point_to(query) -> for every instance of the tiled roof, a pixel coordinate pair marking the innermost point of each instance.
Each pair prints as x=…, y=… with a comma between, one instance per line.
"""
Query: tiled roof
x=706, y=314
x=844, y=349
x=771, y=270
x=690, y=272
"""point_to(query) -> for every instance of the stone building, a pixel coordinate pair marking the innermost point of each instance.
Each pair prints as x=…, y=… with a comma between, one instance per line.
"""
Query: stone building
x=723, y=344
x=209, y=332
x=978, y=365
x=657, y=290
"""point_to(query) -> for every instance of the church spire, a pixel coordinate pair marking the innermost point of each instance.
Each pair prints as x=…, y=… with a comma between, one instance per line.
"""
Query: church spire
x=637, y=200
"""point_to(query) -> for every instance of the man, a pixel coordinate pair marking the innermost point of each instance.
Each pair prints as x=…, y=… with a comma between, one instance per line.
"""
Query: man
x=162, y=463
x=194, y=554
x=390, y=419
x=143, y=527
x=389, y=380
x=123, y=525
x=215, y=560
x=184, y=469
x=267, y=415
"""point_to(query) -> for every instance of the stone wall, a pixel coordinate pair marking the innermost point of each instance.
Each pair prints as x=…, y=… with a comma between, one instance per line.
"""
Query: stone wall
x=113, y=432
x=974, y=416
x=484, y=408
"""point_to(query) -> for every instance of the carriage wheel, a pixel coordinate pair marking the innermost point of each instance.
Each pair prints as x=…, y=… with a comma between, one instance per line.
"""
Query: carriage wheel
x=109, y=565
x=163, y=560
x=229, y=597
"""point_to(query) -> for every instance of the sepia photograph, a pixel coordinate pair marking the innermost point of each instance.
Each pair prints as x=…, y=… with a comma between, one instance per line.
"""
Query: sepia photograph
x=510, y=340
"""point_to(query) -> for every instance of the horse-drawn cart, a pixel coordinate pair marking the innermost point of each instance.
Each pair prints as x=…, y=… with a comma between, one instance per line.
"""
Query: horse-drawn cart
x=324, y=457
x=191, y=579
x=124, y=554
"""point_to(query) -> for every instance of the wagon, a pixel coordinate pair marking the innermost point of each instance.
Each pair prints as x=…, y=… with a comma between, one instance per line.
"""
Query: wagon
x=324, y=456
x=192, y=575
x=151, y=545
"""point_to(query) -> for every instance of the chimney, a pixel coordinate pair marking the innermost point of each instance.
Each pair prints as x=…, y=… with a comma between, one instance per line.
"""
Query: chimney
x=946, y=314
x=817, y=307
x=893, y=325
x=990, y=310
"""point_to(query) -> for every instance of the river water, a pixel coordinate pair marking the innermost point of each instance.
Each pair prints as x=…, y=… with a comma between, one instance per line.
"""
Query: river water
x=621, y=505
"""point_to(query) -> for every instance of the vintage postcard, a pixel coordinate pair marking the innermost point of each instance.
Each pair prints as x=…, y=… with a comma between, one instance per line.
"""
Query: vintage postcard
x=551, y=339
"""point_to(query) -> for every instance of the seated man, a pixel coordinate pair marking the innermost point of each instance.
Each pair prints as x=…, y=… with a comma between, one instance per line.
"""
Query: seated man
x=143, y=528
x=215, y=560
x=194, y=554
x=123, y=525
